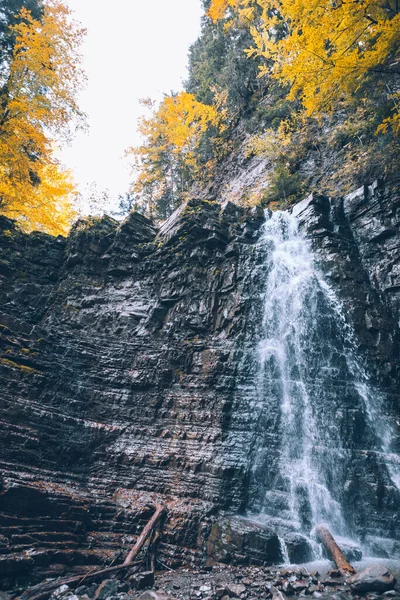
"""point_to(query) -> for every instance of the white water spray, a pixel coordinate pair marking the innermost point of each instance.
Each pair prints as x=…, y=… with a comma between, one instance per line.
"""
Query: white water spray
x=298, y=363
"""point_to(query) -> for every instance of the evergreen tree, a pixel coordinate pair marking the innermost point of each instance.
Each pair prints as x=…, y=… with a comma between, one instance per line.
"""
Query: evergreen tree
x=218, y=62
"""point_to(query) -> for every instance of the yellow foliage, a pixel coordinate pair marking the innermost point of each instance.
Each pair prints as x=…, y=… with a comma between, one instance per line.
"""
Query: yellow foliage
x=38, y=99
x=171, y=137
x=48, y=207
x=218, y=9
x=324, y=48
x=179, y=121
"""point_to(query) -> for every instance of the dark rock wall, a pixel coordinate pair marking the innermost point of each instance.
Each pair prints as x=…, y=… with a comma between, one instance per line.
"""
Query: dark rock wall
x=118, y=369
x=122, y=374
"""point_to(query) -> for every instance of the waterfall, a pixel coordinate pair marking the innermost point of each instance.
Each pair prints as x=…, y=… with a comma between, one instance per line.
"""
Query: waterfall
x=312, y=388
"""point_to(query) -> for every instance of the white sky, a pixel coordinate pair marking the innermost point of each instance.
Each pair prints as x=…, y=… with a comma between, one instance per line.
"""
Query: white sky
x=134, y=49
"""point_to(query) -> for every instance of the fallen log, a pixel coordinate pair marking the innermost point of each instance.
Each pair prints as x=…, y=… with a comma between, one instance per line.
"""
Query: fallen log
x=334, y=551
x=144, y=535
x=44, y=590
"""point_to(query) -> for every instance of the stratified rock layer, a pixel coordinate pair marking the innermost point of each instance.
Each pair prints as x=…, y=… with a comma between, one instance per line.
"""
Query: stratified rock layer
x=123, y=381
x=118, y=368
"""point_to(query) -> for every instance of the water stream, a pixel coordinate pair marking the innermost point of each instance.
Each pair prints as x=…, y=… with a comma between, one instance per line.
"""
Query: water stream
x=307, y=361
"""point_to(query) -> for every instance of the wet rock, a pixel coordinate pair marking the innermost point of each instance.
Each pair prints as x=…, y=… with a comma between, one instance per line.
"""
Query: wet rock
x=91, y=589
x=128, y=348
x=313, y=588
x=221, y=591
x=238, y=541
x=205, y=589
x=332, y=581
x=376, y=578
x=382, y=547
x=299, y=586
x=60, y=592
x=277, y=594
x=107, y=588
x=298, y=547
x=81, y=590
x=140, y=581
x=235, y=590
x=151, y=595
x=150, y=328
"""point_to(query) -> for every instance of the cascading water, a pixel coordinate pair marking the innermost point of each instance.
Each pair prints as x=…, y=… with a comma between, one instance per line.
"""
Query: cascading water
x=312, y=390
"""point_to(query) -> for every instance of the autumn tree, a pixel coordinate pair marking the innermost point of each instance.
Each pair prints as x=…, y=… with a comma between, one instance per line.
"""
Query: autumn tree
x=330, y=52
x=38, y=92
x=168, y=160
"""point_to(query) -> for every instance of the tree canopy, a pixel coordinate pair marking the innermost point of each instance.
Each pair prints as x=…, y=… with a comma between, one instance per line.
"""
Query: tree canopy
x=294, y=77
x=327, y=51
x=39, y=82
x=169, y=159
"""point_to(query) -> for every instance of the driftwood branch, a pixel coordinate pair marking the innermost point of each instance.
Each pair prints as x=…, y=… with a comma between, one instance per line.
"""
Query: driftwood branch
x=44, y=590
x=144, y=535
x=327, y=539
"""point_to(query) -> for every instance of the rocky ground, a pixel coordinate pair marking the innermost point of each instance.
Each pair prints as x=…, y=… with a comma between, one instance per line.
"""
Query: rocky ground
x=225, y=582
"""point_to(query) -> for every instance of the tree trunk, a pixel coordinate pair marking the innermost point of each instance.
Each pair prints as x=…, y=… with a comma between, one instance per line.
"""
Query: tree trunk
x=334, y=551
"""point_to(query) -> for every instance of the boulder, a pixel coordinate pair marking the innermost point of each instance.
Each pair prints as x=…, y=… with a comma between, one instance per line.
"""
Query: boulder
x=239, y=541
x=277, y=594
x=235, y=590
x=151, y=595
x=376, y=578
x=298, y=547
x=140, y=581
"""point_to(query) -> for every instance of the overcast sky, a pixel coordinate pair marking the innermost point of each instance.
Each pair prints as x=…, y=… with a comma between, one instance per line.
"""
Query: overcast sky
x=134, y=49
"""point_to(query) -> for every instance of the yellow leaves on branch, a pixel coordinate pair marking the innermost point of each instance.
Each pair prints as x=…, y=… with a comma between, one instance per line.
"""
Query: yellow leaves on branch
x=324, y=48
x=45, y=74
x=38, y=102
x=179, y=122
x=48, y=207
x=219, y=9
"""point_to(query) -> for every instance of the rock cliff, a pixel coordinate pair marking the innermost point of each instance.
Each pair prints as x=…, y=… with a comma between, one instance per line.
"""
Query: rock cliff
x=124, y=379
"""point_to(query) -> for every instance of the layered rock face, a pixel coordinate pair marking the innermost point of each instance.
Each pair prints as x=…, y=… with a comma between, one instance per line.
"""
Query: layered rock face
x=118, y=368
x=124, y=377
